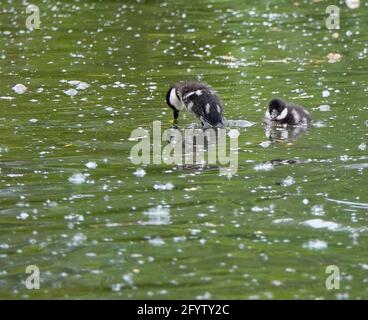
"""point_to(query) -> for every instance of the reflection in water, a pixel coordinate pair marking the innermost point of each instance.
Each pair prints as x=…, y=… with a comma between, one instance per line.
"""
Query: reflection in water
x=275, y=133
x=196, y=149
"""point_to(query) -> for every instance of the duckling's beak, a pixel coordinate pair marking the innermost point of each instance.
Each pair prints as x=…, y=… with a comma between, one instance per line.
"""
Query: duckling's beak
x=274, y=114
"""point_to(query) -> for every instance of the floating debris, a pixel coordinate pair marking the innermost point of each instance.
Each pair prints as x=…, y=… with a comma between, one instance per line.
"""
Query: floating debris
x=91, y=165
x=283, y=220
x=286, y=60
x=82, y=86
x=128, y=278
x=239, y=123
x=325, y=93
x=140, y=173
x=324, y=108
x=167, y=186
x=71, y=92
x=315, y=245
x=77, y=178
x=321, y=224
x=205, y=296
x=23, y=216
x=19, y=88
x=288, y=181
x=157, y=242
x=353, y=4
x=263, y=167
x=265, y=144
x=158, y=216
x=334, y=57
x=318, y=210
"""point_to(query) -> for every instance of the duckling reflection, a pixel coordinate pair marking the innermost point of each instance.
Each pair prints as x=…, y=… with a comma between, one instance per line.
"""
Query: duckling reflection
x=191, y=144
x=275, y=133
x=194, y=149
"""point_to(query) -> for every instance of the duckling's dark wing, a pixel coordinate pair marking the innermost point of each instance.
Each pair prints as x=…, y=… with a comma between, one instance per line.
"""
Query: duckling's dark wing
x=206, y=105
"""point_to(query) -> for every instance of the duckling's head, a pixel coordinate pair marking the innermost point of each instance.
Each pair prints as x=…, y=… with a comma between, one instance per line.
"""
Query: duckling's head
x=174, y=101
x=277, y=109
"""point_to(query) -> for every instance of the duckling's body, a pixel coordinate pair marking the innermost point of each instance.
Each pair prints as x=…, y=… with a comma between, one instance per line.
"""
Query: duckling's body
x=199, y=99
x=280, y=112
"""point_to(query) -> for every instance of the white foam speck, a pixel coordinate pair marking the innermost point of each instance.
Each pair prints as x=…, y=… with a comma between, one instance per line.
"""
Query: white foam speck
x=315, y=245
x=318, y=210
x=321, y=224
x=239, y=123
x=263, y=167
x=205, y=296
x=324, y=107
x=265, y=144
x=19, y=88
x=73, y=82
x=116, y=287
x=158, y=215
x=128, y=278
x=157, y=242
x=78, y=239
x=82, y=86
x=167, y=186
x=91, y=165
x=7, y=98
x=283, y=220
x=319, y=124
x=276, y=283
x=140, y=173
x=77, y=178
x=325, y=93
x=362, y=146
x=32, y=120
x=23, y=215
x=71, y=92
x=288, y=181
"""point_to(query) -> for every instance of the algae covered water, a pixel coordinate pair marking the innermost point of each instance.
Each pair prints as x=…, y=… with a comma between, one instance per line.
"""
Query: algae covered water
x=96, y=225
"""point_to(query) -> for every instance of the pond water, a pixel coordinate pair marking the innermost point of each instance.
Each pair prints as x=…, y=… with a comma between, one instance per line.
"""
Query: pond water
x=98, y=226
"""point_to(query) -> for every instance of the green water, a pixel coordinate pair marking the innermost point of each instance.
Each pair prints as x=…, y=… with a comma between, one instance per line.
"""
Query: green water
x=260, y=234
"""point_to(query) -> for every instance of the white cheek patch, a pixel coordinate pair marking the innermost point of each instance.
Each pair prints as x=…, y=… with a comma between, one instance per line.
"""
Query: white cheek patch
x=175, y=101
x=282, y=115
x=218, y=108
x=267, y=115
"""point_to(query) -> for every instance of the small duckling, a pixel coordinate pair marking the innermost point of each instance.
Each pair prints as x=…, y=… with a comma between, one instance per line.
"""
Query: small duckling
x=197, y=98
x=282, y=112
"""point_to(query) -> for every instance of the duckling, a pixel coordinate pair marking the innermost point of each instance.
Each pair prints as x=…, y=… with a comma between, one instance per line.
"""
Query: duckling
x=197, y=98
x=282, y=112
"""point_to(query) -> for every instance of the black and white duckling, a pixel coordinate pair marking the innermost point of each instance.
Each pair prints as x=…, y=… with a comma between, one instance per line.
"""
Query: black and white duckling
x=282, y=112
x=199, y=99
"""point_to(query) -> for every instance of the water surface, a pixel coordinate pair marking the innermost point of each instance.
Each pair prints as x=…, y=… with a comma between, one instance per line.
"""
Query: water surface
x=72, y=203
